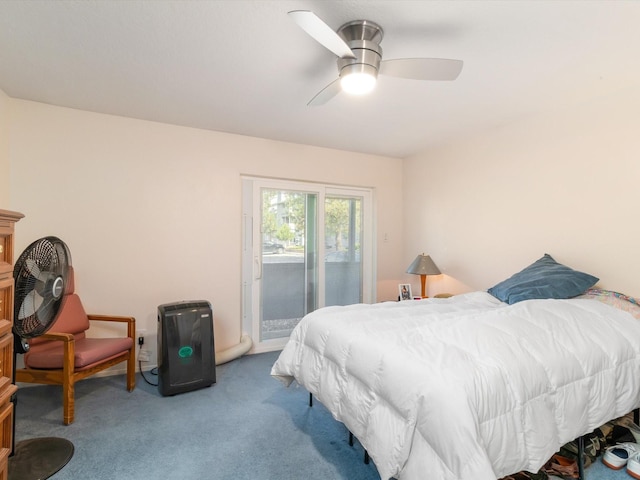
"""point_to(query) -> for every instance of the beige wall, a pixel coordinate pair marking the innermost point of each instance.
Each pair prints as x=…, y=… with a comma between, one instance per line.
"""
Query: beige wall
x=151, y=212
x=566, y=183
x=4, y=151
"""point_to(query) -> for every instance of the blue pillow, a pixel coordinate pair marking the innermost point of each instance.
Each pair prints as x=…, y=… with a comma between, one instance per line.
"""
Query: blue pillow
x=544, y=278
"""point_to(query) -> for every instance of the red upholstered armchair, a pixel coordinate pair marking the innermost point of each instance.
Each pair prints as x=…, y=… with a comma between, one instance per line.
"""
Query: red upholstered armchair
x=64, y=355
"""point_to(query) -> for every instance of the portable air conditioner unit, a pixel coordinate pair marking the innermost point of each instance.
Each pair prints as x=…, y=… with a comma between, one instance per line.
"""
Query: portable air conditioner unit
x=186, y=355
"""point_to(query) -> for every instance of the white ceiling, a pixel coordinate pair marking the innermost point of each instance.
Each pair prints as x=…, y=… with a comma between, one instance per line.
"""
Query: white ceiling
x=245, y=67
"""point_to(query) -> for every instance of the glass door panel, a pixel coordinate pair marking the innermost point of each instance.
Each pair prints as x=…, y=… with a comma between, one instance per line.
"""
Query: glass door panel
x=288, y=286
x=343, y=250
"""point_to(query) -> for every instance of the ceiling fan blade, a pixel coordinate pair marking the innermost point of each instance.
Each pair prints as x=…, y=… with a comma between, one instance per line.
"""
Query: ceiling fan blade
x=326, y=94
x=422, y=68
x=321, y=32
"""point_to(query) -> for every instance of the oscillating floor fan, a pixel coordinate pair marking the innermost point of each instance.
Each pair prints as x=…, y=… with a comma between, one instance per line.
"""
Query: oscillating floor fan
x=40, y=275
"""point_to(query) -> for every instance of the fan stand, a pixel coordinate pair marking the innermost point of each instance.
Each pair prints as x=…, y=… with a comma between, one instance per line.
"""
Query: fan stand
x=35, y=458
x=39, y=458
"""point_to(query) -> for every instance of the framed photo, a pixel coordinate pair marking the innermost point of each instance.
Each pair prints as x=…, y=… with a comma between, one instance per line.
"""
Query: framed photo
x=404, y=291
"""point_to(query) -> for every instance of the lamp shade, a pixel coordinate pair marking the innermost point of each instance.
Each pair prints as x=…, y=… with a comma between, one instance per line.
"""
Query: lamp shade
x=423, y=265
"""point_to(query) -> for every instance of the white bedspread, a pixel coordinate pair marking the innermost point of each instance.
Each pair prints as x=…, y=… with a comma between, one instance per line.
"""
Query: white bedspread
x=467, y=387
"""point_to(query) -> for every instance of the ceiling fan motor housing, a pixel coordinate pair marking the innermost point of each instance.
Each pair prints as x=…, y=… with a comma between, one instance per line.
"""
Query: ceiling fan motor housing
x=363, y=38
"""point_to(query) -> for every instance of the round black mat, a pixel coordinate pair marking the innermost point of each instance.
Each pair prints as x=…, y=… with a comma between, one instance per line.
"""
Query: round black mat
x=39, y=458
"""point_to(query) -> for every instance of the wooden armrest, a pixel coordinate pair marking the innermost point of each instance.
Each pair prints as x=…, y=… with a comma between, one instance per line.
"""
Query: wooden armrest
x=130, y=321
x=111, y=318
x=64, y=337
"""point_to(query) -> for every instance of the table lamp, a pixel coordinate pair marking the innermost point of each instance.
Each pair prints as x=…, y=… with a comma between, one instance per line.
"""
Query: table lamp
x=423, y=266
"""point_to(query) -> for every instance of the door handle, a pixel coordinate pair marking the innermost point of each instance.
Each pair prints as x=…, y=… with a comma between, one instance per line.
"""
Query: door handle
x=258, y=268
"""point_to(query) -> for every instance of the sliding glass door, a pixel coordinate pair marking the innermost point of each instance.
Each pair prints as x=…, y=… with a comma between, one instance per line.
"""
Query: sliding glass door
x=305, y=246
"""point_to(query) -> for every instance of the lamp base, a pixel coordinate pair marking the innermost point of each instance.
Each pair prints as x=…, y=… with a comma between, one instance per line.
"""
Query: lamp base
x=423, y=284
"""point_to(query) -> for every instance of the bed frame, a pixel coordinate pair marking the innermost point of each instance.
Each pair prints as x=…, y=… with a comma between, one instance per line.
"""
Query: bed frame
x=579, y=440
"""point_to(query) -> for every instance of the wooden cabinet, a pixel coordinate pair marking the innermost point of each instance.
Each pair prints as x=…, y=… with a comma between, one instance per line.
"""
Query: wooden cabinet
x=7, y=387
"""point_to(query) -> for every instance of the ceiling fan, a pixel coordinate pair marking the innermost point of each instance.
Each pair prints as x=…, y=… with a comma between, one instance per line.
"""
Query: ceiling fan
x=357, y=45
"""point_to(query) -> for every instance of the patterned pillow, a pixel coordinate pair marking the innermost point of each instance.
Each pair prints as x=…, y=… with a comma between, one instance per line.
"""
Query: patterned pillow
x=615, y=299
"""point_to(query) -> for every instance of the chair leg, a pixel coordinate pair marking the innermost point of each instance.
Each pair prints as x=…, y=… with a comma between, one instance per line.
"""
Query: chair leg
x=131, y=371
x=131, y=361
x=68, y=402
x=68, y=383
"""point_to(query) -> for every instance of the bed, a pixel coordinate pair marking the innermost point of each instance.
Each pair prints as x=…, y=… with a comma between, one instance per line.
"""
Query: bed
x=476, y=386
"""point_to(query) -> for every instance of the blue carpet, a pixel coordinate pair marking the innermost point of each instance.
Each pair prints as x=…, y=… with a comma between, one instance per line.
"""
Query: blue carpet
x=247, y=426
x=598, y=471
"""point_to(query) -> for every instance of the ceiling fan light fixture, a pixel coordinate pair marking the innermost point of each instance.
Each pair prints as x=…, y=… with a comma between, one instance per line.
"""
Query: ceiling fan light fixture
x=358, y=79
x=357, y=46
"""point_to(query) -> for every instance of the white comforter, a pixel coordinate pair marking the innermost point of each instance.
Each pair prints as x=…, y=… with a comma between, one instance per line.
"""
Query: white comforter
x=467, y=387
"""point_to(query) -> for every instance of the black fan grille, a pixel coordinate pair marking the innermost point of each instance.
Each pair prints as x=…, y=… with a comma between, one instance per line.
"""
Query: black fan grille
x=40, y=279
